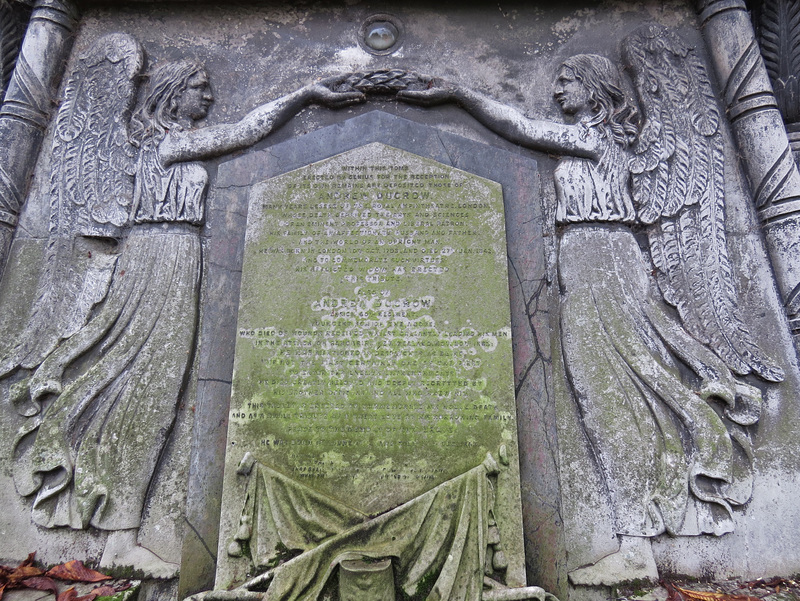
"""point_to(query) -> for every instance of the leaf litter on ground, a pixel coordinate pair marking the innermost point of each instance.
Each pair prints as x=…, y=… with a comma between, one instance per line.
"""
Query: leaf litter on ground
x=28, y=576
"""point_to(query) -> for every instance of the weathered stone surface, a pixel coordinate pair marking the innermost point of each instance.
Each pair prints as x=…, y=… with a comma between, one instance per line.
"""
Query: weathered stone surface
x=527, y=288
x=263, y=51
x=373, y=357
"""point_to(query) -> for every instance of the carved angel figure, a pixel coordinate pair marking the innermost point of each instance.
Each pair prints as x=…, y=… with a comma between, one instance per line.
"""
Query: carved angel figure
x=109, y=354
x=671, y=462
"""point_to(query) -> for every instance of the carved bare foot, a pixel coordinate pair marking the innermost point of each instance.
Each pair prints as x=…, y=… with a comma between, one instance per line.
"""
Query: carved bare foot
x=123, y=551
x=633, y=561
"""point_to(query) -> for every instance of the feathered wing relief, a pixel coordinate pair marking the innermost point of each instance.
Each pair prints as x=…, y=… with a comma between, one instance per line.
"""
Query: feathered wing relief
x=93, y=159
x=678, y=185
x=91, y=191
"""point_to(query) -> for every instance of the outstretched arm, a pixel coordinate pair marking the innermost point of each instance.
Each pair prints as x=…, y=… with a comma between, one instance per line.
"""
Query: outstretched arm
x=509, y=122
x=216, y=140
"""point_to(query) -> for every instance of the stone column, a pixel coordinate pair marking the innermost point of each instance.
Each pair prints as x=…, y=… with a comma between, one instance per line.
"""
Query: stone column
x=12, y=26
x=778, y=39
x=761, y=138
x=28, y=103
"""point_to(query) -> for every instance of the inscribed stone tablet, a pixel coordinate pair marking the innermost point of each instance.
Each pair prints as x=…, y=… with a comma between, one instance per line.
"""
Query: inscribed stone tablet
x=373, y=359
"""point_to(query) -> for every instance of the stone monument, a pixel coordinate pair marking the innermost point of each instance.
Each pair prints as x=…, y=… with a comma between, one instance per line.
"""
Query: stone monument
x=472, y=302
x=398, y=316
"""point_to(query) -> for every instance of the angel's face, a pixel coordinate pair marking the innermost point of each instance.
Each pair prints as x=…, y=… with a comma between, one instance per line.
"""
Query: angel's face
x=197, y=98
x=570, y=92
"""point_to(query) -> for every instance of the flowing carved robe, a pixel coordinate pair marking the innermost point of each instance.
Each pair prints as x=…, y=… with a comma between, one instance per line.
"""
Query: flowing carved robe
x=90, y=454
x=669, y=460
x=437, y=541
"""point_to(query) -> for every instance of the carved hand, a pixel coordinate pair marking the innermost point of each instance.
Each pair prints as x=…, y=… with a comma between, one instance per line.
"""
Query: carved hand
x=439, y=93
x=324, y=93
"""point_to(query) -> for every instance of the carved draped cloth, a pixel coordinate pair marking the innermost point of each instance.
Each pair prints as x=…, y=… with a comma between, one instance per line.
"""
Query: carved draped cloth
x=91, y=452
x=437, y=541
x=670, y=460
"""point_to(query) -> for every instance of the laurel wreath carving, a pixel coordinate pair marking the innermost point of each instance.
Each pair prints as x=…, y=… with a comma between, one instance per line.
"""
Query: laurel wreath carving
x=384, y=81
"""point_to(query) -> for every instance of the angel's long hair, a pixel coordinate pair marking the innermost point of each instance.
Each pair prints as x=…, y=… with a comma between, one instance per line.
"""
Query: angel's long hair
x=158, y=111
x=612, y=112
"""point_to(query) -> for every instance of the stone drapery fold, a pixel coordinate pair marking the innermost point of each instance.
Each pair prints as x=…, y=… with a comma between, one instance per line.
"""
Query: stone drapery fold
x=436, y=541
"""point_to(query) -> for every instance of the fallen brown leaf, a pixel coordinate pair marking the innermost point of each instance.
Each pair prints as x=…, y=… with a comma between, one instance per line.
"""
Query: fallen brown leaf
x=709, y=596
x=23, y=573
x=75, y=571
x=26, y=575
x=11, y=578
x=672, y=594
x=103, y=591
x=40, y=583
x=28, y=561
x=771, y=583
x=99, y=591
x=107, y=591
x=68, y=595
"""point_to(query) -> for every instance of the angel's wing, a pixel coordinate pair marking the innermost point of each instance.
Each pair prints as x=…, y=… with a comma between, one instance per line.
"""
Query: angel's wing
x=678, y=185
x=91, y=190
x=93, y=159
